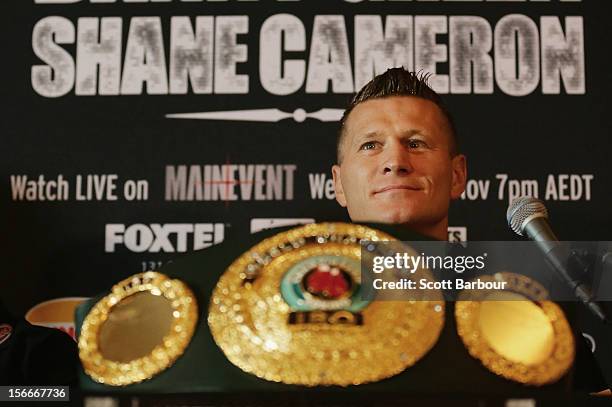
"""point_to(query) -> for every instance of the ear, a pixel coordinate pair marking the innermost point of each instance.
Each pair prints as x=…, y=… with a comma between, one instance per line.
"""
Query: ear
x=459, y=168
x=340, y=197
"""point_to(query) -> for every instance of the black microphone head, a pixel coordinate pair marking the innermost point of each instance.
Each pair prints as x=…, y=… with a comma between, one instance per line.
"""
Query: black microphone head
x=522, y=210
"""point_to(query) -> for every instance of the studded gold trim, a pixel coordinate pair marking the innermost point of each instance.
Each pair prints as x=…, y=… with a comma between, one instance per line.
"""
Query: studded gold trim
x=248, y=317
x=551, y=369
x=162, y=356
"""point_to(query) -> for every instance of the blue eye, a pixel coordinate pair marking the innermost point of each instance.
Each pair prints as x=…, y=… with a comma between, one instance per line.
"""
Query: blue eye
x=416, y=143
x=367, y=145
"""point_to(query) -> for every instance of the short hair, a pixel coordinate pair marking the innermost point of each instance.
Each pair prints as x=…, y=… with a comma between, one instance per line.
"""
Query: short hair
x=398, y=82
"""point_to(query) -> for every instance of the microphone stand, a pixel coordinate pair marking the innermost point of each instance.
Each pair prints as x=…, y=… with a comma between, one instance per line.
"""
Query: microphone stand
x=581, y=265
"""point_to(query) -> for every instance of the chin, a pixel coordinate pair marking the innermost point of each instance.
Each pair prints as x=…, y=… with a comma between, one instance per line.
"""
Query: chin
x=394, y=215
x=399, y=218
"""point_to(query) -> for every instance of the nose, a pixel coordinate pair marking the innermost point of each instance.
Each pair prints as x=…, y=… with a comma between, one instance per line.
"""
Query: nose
x=397, y=160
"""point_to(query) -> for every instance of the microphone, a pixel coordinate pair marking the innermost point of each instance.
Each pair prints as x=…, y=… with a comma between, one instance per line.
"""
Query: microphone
x=528, y=217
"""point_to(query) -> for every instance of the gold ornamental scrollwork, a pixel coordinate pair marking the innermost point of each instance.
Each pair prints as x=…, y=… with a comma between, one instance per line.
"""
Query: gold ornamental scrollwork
x=138, y=330
x=516, y=333
x=290, y=310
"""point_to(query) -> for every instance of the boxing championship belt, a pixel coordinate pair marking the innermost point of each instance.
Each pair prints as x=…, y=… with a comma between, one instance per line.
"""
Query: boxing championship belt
x=283, y=310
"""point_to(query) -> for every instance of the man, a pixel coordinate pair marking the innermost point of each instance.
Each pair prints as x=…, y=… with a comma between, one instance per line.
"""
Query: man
x=399, y=163
x=398, y=159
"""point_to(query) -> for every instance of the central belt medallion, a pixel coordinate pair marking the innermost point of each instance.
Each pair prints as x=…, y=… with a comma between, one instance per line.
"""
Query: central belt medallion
x=292, y=310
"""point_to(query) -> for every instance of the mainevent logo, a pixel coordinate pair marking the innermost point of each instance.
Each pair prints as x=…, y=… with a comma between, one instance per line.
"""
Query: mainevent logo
x=168, y=237
x=230, y=182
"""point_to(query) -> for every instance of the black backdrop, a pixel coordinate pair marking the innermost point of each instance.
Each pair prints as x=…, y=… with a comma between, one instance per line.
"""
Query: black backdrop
x=534, y=106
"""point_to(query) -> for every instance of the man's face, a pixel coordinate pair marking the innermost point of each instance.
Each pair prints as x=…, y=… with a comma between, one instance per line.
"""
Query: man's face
x=396, y=164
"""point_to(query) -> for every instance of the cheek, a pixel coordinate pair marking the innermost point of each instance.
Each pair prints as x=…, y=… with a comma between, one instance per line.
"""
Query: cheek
x=354, y=180
x=439, y=175
x=351, y=189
